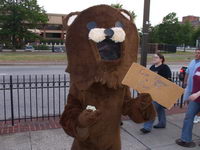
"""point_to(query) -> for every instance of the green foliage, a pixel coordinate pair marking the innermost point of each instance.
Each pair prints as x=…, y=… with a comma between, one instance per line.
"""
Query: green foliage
x=170, y=31
x=185, y=34
x=117, y=5
x=153, y=34
x=170, y=18
x=41, y=47
x=16, y=17
x=195, y=35
x=120, y=6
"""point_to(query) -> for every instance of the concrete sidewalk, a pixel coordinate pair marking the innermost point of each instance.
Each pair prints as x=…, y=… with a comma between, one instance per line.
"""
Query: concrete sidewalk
x=132, y=139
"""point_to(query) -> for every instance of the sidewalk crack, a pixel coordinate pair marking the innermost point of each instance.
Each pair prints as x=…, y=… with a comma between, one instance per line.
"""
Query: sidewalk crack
x=181, y=128
x=148, y=148
x=30, y=139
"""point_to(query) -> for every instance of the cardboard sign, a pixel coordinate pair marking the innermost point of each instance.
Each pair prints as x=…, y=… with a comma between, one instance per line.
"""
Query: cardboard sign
x=163, y=91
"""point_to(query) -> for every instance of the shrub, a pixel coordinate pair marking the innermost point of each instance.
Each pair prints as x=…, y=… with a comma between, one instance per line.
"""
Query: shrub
x=41, y=47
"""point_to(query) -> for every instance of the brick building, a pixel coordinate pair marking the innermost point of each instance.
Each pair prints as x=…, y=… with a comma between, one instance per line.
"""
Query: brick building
x=54, y=29
x=194, y=20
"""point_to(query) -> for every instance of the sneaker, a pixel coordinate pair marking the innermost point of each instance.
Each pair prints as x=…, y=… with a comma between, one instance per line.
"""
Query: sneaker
x=185, y=144
x=196, y=119
x=143, y=130
x=158, y=127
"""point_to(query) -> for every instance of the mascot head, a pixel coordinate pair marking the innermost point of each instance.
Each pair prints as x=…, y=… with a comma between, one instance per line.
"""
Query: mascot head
x=101, y=45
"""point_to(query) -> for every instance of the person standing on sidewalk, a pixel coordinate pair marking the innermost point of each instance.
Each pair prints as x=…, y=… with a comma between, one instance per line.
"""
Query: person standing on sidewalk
x=163, y=70
x=188, y=81
x=192, y=93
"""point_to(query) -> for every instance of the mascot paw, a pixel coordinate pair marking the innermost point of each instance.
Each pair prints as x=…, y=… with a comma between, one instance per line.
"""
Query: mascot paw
x=145, y=108
x=88, y=118
x=144, y=100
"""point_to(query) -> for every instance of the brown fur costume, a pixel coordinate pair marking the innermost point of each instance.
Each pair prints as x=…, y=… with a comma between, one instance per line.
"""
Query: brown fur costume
x=97, y=82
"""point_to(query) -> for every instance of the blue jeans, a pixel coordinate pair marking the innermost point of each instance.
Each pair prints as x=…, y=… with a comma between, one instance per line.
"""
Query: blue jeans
x=193, y=109
x=161, y=117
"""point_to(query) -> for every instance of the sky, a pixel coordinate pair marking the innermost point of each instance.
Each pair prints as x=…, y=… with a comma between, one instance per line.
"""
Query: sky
x=158, y=8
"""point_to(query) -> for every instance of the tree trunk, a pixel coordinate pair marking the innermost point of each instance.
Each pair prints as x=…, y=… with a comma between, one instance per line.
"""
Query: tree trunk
x=184, y=47
x=13, y=44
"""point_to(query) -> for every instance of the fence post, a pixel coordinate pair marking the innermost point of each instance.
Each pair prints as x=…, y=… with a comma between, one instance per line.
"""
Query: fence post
x=181, y=103
x=11, y=99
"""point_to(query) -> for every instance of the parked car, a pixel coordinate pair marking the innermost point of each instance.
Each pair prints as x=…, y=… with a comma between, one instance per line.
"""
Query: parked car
x=58, y=49
x=29, y=48
x=182, y=73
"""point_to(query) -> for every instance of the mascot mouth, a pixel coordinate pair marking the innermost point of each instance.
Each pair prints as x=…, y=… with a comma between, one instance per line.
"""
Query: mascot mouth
x=109, y=50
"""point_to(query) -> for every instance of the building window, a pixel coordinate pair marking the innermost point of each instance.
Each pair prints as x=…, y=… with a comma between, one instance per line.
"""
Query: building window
x=53, y=35
x=53, y=27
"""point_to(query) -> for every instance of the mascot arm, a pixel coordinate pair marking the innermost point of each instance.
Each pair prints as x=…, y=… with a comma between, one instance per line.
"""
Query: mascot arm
x=69, y=119
x=139, y=109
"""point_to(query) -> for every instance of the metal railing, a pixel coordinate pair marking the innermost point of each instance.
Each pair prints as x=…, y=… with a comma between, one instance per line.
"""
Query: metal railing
x=32, y=96
x=27, y=97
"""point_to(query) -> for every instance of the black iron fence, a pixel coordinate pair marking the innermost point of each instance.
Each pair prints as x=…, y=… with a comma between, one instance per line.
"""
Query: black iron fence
x=32, y=96
x=27, y=97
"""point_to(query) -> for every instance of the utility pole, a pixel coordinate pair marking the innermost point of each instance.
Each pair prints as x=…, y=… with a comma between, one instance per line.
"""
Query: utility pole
x=145, y=33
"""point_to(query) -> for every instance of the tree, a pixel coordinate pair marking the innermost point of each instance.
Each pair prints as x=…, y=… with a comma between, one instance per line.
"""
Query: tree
x=153, y=34
x=168, y=30
x=16, y=17
x=170, y=18
x=185, y=34
x=196, y=36
x=120, y=6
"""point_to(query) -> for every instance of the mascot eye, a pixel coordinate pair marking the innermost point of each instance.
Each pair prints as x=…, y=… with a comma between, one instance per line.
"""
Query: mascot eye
x=119, y=24
x=91, y=25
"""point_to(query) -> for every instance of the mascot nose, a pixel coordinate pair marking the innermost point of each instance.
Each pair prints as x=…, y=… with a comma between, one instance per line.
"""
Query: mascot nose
x=109, y=33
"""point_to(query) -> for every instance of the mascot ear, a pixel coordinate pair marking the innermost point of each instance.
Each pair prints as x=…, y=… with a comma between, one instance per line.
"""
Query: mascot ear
x=69, y=19
x=126, y=14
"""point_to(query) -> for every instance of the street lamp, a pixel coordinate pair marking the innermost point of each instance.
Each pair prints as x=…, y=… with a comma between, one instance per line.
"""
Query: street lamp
x=145, y=33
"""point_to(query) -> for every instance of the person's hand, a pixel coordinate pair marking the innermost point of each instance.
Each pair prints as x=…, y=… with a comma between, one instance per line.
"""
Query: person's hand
x=88, y=118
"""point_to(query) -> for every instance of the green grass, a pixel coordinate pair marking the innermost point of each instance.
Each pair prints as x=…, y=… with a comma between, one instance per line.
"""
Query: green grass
x=174, y=57
x=32, y=57
x=178, y=53
x=49, y=57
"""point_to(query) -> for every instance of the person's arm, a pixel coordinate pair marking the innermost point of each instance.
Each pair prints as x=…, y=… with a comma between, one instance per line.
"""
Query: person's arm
x=194, y=96
x=187, y=72
x=165, y=72
x=169, y=73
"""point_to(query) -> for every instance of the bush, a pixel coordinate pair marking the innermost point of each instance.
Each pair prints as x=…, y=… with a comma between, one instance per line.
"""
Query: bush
x=52, y=41
x=41, y=47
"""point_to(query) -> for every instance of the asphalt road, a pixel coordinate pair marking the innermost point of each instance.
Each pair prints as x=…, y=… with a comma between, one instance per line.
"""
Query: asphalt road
x=30, y=69
x=47, y=69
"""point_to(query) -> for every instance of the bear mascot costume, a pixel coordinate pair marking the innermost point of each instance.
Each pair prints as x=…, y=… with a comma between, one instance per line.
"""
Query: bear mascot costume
x=101, y=44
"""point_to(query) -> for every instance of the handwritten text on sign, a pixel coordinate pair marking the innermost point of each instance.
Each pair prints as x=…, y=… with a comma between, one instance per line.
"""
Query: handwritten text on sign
x=143, y=80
